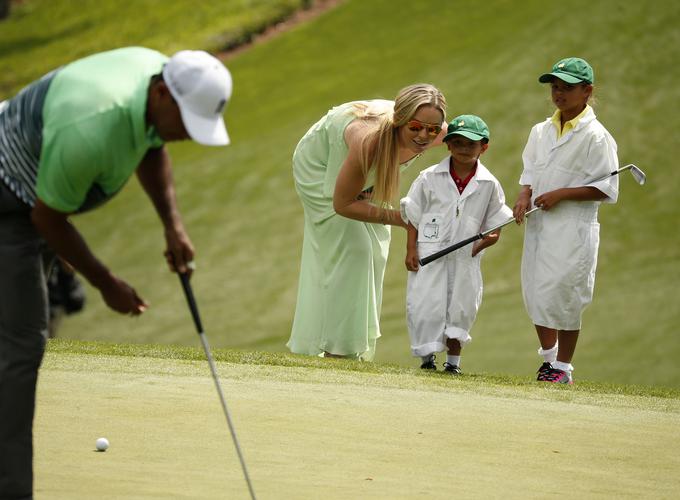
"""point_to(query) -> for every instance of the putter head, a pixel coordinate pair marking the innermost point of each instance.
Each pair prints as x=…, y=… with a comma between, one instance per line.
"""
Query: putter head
x=638, y=175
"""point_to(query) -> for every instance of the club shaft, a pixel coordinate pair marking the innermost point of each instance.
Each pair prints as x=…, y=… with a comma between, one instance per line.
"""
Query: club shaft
x=426, y=260
x=479, y=236
x=188, y=292
x=227, y=414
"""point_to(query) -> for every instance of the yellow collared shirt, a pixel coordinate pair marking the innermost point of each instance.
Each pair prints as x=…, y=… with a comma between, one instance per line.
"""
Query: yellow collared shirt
x=570, y=125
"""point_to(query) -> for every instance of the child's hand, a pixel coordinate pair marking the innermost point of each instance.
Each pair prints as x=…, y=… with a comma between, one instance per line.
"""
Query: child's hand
x=487, y=241
x=522, y=205
x=548, y=200
x=412, y=259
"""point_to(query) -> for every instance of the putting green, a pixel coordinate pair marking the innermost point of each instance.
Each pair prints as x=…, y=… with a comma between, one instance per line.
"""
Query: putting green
x=320, y=433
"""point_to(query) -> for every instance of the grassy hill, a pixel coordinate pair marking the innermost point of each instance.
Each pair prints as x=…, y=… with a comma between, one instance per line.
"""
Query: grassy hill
x=43, y=34
x=246, y=222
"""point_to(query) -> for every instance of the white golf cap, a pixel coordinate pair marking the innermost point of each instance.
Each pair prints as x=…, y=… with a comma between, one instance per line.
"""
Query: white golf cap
x=201, y=85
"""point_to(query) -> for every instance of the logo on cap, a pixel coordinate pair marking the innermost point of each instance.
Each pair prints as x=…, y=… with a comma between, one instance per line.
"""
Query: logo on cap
x=220, y=106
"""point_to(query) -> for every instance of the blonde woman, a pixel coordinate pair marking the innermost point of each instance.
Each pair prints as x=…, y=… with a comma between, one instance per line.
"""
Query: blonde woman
x=346, y=171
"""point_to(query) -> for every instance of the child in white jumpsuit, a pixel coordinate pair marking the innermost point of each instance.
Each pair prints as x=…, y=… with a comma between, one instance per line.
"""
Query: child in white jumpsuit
x=563, y=157
x=449, y=202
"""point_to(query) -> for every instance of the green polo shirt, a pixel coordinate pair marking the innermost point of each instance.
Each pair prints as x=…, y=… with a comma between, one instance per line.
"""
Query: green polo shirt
x=94, y=130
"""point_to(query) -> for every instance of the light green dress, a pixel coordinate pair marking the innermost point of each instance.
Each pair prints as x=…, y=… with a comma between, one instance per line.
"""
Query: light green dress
x=343, y=260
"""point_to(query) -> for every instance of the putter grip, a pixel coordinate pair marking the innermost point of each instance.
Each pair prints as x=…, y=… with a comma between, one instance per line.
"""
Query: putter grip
x=184, y=278
x=426, y=260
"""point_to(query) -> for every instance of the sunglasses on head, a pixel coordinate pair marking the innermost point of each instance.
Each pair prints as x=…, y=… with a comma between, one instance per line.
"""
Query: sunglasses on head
x=417, y=126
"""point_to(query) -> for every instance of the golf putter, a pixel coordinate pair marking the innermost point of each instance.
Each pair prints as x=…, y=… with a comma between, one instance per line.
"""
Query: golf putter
x=637, y=174
x=188, y=292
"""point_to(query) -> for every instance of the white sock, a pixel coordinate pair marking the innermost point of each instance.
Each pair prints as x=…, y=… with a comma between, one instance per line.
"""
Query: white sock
x=428, y=358
x=453, y=360
x=565, y=367
x=549, y=355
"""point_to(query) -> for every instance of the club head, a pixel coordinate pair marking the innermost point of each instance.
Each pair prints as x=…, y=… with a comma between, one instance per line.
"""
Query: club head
x=638, y=175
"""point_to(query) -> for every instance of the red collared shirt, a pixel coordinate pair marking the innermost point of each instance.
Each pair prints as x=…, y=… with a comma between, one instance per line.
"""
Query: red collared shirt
x=461, y=183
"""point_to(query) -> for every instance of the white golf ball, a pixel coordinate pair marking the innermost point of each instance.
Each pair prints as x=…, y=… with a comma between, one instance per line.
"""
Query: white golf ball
x=102, y=444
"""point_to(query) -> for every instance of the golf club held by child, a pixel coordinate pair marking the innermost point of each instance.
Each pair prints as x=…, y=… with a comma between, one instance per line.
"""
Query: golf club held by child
x=637, y=174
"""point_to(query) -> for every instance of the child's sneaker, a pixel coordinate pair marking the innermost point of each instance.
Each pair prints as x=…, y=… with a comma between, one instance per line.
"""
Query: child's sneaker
x=545, y=367
x=429, y=364
x=452, y=369
x=555, y=376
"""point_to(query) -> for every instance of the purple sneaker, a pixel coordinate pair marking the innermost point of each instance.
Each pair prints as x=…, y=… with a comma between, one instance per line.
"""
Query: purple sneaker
x=555, y=376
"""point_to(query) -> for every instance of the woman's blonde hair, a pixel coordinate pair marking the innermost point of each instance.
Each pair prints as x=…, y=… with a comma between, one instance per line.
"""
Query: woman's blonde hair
x=380, y=145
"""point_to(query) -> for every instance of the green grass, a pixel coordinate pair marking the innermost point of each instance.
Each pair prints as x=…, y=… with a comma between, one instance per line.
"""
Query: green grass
x=42, y=34
x=246, y=222
x=387, y=370
x=341, y=429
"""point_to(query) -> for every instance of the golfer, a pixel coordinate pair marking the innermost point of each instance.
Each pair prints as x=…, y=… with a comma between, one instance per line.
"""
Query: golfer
x=346, y=171
x=69, y=142
x=450, y=202
x=562, y=157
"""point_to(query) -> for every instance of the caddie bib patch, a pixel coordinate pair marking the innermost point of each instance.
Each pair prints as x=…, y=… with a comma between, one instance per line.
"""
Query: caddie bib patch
x=431, y=227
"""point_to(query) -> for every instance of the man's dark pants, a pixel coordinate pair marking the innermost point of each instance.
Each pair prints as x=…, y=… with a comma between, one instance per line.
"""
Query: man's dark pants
x=23, y=329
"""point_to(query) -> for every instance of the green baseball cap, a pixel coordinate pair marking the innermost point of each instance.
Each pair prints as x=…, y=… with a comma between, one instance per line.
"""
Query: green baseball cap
x=470, y=126
x=570, y=70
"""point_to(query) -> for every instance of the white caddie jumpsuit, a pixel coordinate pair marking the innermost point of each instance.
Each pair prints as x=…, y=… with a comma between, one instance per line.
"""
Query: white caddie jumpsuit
x=560, y=245
x=443, y=297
